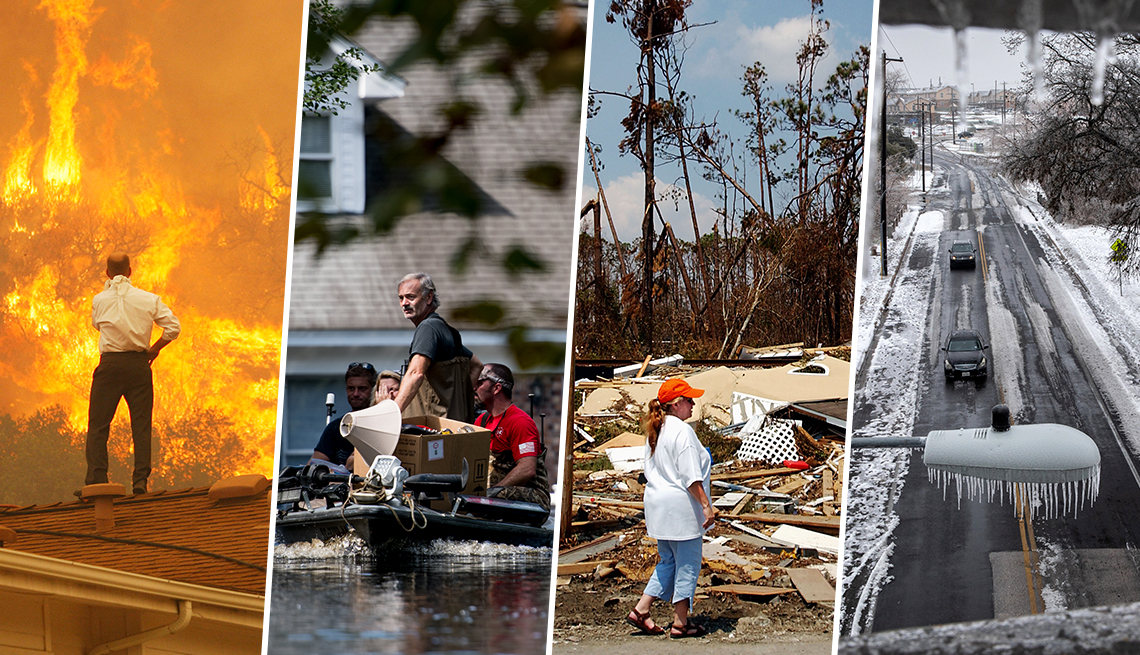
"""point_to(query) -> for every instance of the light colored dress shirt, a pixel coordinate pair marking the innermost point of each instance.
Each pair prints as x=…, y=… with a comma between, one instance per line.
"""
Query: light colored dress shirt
x=124, y=317
x=671, y=512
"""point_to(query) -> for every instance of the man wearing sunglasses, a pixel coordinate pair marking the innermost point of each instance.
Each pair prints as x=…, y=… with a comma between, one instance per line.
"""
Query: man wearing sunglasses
x=517, y=468
x=441, y=372
x=359, y=381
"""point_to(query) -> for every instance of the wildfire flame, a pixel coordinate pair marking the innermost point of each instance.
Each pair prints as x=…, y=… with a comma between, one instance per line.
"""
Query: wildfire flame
x=91, y=179
x=61, y=158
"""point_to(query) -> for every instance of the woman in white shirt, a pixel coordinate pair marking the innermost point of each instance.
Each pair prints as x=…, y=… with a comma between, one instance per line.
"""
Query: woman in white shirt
x=677, y=507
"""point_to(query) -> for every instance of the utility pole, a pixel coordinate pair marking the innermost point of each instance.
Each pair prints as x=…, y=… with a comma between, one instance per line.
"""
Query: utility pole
x=1003, y=104
x=954, y=119
x=922, y=140
x=930, y=122
x=883, y=172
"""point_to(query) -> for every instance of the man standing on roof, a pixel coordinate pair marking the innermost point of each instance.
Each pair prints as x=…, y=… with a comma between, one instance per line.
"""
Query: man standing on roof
x=518, y=471
x=441, y=372
x=359, y=382
x=125, y=316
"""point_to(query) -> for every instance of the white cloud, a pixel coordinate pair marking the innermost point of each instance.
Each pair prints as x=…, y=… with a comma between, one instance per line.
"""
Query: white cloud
x=774, y=46
x=626, y=199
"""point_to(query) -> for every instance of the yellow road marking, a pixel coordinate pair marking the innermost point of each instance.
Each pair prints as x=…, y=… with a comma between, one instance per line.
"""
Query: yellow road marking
x=1028, y=550
x=982, y=255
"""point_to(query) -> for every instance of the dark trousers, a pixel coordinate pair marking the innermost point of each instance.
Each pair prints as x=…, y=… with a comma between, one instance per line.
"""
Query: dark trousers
x=120, y=375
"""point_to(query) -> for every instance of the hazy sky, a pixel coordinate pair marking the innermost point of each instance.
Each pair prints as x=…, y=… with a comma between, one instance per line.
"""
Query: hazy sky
x=928, y=55
x=733, y=34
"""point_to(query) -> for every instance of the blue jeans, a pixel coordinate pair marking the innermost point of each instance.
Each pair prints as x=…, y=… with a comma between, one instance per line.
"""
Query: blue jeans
x=675, y=577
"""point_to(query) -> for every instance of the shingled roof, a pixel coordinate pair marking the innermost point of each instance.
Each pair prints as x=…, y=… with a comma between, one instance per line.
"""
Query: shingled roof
x=184, y=536
x=354, y=287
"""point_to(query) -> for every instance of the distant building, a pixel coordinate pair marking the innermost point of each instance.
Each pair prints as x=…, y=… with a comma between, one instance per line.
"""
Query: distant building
x=993, y=99
x=162, y=572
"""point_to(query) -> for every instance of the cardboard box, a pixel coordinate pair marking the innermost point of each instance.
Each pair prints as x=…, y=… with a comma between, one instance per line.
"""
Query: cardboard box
x=443, y=453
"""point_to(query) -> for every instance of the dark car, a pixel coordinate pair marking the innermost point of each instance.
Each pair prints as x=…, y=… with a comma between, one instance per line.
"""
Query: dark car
x=965, y=355
x=962, y=254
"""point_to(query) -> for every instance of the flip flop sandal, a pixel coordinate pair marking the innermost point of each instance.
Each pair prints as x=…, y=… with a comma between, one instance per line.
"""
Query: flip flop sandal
x=638, y=620
x=687, y=630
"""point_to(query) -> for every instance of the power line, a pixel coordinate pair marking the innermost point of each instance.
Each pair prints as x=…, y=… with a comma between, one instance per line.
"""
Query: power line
x=908, y=75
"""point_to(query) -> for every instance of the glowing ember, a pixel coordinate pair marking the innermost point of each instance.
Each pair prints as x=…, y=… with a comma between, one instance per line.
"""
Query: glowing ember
x=148, y=150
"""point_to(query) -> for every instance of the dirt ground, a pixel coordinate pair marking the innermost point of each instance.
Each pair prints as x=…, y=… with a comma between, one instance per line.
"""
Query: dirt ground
x=588, y=609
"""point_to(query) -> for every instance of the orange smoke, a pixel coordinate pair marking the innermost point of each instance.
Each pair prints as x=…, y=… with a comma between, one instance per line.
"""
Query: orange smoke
x=106, y=171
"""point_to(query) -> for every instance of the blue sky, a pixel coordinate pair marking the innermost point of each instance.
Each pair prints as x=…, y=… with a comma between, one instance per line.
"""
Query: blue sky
x=743, y=32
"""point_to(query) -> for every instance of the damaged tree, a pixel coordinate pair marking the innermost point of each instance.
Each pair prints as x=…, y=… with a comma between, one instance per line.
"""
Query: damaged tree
x=1085, y=155
x=763, y=273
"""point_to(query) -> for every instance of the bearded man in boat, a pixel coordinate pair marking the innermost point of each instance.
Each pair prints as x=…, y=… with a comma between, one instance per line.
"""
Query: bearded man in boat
x=440, y=372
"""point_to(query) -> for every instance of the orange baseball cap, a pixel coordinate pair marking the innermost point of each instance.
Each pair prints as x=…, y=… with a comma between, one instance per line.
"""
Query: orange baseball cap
x=676, y=388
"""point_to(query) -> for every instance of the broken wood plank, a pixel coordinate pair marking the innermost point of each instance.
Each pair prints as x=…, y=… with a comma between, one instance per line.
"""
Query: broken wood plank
x=741, y=505
x=579, y=568
x=746, y=475
x=644, y=365
x=750, y=589
x=798, y=483
x=598, y=500
x=828, y=523
x=614, y=512
x=589, y=549
x=592, y=526
x=812, y=585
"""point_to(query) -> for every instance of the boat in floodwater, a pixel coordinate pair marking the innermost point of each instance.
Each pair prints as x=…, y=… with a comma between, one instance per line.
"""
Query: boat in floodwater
x=323, y=501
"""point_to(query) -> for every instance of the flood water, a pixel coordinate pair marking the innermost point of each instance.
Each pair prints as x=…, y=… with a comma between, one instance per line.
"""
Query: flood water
x=441, y=597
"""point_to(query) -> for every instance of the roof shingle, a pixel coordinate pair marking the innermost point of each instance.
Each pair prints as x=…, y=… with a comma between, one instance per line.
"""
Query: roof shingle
x=173, y=535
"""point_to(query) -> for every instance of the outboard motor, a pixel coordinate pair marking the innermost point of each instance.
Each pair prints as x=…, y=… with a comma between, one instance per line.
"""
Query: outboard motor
x=437, y=486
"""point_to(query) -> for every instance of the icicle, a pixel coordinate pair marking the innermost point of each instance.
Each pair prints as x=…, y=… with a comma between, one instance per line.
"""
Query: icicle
x=1105, y=54
x=963, y=77
x=955, y=14
x=1030, y=17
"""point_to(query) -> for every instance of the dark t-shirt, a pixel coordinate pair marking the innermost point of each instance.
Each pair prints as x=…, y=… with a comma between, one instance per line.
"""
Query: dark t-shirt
x=334, y=446
x=434, y=339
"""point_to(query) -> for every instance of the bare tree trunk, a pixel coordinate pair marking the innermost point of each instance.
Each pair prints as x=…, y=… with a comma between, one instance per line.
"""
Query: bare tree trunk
x=609, y=216
x=684, y=273
x=650, y=191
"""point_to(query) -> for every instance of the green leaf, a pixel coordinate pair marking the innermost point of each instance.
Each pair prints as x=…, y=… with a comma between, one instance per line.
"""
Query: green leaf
x=518, y=260
x=545, y=174
x=487, y=312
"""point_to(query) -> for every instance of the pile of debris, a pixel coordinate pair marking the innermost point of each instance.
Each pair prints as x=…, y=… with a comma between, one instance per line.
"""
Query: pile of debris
x=777, y=484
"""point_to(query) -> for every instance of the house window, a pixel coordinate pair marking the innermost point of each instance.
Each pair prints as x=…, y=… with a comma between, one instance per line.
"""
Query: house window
x=316, y=158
